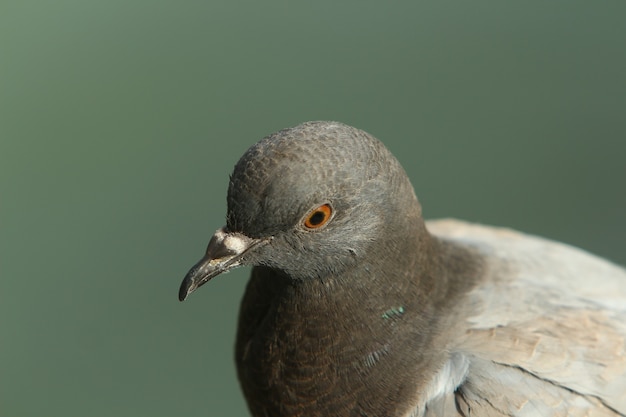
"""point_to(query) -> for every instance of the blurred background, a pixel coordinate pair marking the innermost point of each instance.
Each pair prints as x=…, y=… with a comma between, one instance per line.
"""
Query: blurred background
x=120, y=122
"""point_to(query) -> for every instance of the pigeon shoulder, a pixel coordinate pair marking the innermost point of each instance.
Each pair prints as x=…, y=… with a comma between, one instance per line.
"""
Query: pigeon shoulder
x=544, y=331
x=515, y=259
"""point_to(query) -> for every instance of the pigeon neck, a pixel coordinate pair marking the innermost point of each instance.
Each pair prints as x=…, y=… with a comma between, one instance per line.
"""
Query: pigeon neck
x=368, y=341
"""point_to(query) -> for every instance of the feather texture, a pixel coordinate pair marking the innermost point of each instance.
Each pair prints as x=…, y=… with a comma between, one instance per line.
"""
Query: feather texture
x=556, y=347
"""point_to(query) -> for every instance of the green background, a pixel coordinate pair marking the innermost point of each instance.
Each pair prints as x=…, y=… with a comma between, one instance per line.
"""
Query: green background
x=121, y=120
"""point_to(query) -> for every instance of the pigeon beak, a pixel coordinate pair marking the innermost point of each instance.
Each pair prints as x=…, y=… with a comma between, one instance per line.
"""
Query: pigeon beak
x=225, y=251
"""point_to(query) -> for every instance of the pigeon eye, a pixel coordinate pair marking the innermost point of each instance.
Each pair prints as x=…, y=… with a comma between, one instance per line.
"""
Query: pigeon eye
x=318, y=217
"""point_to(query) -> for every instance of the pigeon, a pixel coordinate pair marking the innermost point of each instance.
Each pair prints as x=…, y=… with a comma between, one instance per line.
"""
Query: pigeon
x=358, y=307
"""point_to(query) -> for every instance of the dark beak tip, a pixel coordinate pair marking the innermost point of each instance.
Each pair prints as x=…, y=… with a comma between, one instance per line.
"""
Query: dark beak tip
x=186, y=288
x=182, y=294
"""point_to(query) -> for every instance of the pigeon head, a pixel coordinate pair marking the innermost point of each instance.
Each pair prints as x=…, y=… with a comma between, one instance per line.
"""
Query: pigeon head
x=311, y=201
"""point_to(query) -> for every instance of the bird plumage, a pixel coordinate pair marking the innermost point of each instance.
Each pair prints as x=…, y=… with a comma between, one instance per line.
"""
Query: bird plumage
x=547, y=330
x=377, y=313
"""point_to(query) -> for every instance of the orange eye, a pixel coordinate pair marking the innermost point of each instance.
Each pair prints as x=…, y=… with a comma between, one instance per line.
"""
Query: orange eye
x=318, y=217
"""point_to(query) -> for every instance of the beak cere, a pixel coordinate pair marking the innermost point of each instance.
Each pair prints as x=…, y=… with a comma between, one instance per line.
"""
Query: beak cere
x=225, y=251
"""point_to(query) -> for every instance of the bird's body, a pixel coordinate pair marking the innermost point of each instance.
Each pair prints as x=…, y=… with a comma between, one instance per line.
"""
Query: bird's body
x=356, y=307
